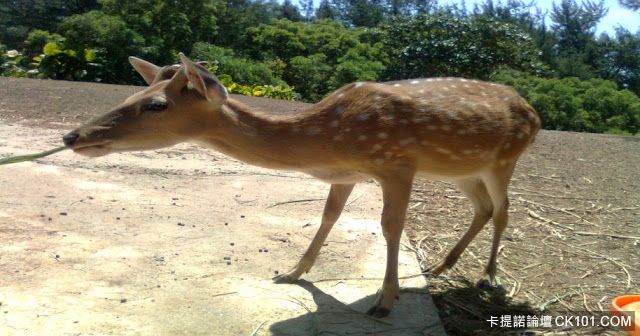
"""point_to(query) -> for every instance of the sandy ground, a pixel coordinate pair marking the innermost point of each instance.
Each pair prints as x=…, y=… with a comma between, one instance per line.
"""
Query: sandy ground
x=180, y=241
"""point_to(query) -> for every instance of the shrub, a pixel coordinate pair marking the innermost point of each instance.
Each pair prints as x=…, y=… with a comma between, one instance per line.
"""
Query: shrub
x=242, y=70
x=595, y=105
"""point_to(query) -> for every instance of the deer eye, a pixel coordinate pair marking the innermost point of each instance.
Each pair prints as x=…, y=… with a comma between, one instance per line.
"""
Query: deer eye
x=156, y=105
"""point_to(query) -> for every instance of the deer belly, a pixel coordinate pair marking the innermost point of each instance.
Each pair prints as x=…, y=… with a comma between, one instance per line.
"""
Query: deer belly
x=337, y=176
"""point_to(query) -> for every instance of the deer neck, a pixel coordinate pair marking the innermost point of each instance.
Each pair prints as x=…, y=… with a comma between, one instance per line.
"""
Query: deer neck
x=262, y=139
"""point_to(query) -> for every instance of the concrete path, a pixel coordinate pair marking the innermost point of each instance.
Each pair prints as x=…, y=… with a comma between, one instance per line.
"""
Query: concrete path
x=184, y=241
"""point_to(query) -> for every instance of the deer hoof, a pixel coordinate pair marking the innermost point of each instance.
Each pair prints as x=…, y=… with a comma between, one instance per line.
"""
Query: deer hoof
x=284, y=279
x=378, y=312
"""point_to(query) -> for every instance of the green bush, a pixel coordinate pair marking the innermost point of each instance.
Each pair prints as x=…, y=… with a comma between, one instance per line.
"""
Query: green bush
x=37, y=39
x=242, y=70
x=595, y=105
x=319, y=57
x=111, y=40
x=58, y=63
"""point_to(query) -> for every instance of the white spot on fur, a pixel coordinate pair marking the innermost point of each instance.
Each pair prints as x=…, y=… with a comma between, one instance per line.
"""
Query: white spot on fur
x=379, y=161
x=443, y=150
x=337, y=137
x=340, y=95
x=362, y=117
x=396, y=85
x=406, y=141
x=415, y=82
x=429, y=79
x=383, y=135
x=420, y=91
x=432, y=127
x=463, y=80
x=446, y=128
x=362, y=137
x=358, y=84
x=482, y=93
x=376, y=147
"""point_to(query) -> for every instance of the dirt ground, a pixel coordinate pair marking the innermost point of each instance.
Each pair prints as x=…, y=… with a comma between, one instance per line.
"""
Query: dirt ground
x=573, y=242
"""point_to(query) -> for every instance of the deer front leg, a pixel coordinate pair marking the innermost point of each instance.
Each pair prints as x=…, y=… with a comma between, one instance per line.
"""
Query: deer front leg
x=333, y=208
x=396, y=192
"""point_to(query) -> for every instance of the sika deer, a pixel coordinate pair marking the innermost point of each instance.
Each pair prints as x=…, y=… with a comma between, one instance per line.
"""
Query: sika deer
x=465, y=131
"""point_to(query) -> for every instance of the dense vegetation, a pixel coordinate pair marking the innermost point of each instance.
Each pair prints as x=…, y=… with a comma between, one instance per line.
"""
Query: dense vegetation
x=576, y=80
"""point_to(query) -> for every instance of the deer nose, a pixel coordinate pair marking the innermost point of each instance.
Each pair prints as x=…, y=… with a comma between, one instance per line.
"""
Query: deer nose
x=70, y=138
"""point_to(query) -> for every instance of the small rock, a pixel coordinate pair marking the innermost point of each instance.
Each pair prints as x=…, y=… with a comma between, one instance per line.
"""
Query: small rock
x=63, y=214
x=231, y=244
x=123, y=300
x=180, y=224
x=276, y=272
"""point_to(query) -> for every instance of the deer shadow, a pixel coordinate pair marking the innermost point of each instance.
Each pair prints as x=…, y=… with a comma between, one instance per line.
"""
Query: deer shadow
x=333, y=317
x=463, y=310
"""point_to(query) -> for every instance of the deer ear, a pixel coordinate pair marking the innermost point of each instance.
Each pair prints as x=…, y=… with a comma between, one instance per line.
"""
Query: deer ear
x=147, y=70
x=204, y=81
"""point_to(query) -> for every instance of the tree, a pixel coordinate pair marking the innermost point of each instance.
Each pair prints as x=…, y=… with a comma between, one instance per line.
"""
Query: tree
x=168, y=26
x=326, y=11
x=444, y=45
x=289, y=11
x=360, y=13
x=622, y=59
x=236, y=16
x=631, y=4
x=18, y=17
x=307, y=9
x=576, y=23
x=110, y=36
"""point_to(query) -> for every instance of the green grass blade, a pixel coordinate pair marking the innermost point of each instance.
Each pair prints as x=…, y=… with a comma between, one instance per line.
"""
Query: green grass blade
x=31, y=157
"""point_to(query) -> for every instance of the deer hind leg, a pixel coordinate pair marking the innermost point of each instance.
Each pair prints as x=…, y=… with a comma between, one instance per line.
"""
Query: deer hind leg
x=497, y=183
x=333, y=208
x=476, y=191
x=396, y=192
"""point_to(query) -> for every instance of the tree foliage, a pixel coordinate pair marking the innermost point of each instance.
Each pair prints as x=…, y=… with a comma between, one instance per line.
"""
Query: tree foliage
x=442, y=45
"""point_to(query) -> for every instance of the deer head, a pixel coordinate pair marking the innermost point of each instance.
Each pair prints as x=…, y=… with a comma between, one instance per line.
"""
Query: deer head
x=181, y=102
